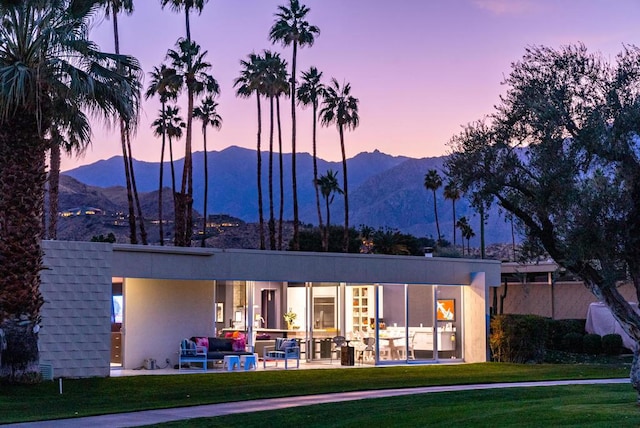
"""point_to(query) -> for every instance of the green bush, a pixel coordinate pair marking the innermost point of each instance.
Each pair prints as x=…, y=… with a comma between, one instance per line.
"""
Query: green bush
x=572, y=342
x=592, y=344
x=612, y=344
x=558, y=329
x=518, y=338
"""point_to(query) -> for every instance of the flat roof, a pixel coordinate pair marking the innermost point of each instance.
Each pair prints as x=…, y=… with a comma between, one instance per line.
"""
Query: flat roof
x=137, y=261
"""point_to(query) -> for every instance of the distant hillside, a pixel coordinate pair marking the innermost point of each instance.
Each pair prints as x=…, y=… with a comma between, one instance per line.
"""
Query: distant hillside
x=385, y=191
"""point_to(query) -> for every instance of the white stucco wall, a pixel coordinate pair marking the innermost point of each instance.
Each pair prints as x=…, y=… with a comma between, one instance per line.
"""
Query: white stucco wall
x=160, y=313
x=476, y=315
x=76, y=286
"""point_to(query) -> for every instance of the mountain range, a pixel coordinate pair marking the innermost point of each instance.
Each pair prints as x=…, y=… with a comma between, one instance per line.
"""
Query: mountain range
x=384, y=190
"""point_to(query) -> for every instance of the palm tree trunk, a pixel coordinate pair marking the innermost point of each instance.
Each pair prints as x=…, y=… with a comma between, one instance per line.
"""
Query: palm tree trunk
x=272, y=220
x=281, y=213
x=296, y=241
x=325, y=244
x=22, y=186
x=345, y=189
x=206, y=187
x=143, y=231
x=261, y=217
x=315, y=170
x=161, y=184
x=54, y=189
x=133, y=238
x=453, y=202
x=435, y=211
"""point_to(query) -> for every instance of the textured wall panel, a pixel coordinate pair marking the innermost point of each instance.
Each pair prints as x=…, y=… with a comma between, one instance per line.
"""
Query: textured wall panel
x=76, y=286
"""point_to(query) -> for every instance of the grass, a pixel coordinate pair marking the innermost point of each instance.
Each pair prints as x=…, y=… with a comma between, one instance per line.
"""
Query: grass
x=566, y=406
x=84, y=397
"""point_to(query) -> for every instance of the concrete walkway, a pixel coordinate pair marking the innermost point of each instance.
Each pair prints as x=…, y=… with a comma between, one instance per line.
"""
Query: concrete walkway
x=148, y=417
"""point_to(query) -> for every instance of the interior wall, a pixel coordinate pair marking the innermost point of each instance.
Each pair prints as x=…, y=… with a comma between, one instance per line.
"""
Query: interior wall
x=158, y=314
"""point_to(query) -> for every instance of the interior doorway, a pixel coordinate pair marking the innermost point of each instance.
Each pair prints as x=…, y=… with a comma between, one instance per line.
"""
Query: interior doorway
x=117, y=321
x=268, y=298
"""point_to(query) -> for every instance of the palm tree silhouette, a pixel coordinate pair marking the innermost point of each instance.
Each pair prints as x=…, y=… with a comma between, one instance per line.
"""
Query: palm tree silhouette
x=251, y=82
x=467, y=233
x=452, y=192
x=329, y=187
x=186, y=5
x=47, y=62
x=192, y=73
x=433, y=181
x=207, y=112
x=291, y=28
x=310, y=93
x=163, y=83
x=341, y=108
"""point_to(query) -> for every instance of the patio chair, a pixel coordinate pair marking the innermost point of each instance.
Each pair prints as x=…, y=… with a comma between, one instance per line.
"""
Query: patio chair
x=338, y=343
x=368, y=349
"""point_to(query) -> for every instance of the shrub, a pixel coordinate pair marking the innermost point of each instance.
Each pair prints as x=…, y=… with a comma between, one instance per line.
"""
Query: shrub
x=572, y=342
x=612, y=344
x=592, y=344
x=517, y=338
x=558, y=329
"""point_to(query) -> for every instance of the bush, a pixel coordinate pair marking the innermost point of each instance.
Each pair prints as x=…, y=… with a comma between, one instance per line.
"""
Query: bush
x=592, y=344
x=518, y=338
x=612, y=344
x=558, y=329
x=572, y=342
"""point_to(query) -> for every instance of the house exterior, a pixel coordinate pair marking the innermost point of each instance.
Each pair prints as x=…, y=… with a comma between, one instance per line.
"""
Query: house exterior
x=109, y=304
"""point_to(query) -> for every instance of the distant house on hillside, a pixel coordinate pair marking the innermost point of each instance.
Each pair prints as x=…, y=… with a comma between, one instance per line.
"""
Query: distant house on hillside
x=78, y=211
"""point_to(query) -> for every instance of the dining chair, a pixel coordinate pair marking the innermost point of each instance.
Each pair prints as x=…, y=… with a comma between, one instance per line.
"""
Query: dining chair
x=338, y=343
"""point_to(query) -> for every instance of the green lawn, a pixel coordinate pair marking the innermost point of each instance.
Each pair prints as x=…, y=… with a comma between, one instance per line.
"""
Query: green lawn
x=567, y=406
x=84, y=397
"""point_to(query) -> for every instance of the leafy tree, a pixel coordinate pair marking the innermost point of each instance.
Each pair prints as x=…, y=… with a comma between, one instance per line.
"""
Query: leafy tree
x=207, y=112
x=329, y=187
x=192, y=74
x=561, y=154
x=452, y=192
x=311, y=91
x=165, y=85
x=46, y=60
x=391, y=241
x=433, y=181
x=251, y=82
x=310, y=240
x=291, y=28
x=111, y=238
x=341, y=108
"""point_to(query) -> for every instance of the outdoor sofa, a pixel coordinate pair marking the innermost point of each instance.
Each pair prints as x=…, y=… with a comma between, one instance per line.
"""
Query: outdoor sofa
x=204, y=350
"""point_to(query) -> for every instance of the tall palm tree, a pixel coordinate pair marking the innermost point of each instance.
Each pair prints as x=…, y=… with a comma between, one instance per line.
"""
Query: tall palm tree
x=192, y=73
x=186, y=5
x=112, y=9
x=46, y=58
x=467, y=233
x=274, y=73
x=172, y=124
x=163, y=83
x=207, y=112
x=341, y=108
x=310, y=93
x=291, y=28
x=251, y=82
x=433, y=181
x=282, y=90
x=452, y=192
x=329, y=187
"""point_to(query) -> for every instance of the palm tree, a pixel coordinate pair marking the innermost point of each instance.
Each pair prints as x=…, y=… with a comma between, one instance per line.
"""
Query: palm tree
x=207, y=112
x=310, y=92
x=172, y=124
x=163, y=83
x=282, y=88
x=433, y=181
x=251, y=82
x=341, y=108
x=467, y=233
x=329, y=187
x=192, y=73
x=46, y=59
x=112, y=9
x=452, y=192
x=291, y=28
x=186, y=5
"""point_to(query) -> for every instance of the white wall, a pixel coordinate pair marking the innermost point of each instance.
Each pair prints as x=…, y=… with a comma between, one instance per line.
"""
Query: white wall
x=476, y=314
x=158, y=314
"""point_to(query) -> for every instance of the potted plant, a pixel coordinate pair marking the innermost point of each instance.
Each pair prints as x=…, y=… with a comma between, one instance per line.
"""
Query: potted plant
x=289, y=317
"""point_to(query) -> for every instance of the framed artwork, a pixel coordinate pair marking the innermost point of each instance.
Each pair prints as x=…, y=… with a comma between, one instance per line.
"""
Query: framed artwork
x=219, y=312
x=446, y=309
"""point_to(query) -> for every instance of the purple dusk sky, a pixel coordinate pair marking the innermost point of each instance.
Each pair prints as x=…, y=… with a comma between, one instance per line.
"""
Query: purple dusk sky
x=420, y=68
